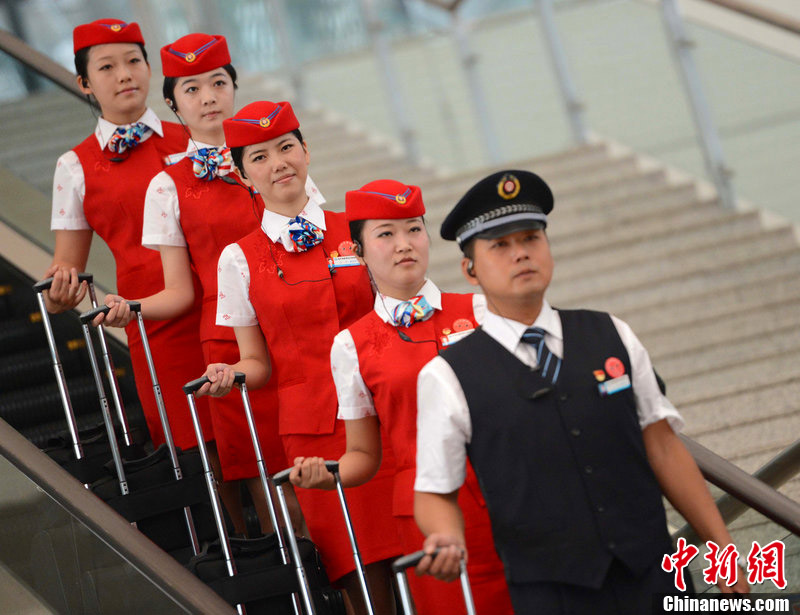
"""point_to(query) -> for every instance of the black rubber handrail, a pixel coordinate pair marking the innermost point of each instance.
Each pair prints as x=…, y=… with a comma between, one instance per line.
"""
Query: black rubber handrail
x=749, y=490
x=40, y=63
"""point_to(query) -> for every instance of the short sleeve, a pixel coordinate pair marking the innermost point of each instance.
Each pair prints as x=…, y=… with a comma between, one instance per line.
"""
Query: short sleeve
x=162, y=216
x=651, y=404
x=479, y=307
x=69, y=190
x=233, y=289
x=355, y=399
x=443, y=429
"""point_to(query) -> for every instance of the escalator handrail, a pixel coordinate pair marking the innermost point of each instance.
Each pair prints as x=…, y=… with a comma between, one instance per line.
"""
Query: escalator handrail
x=40, y=63
x=748, y=489
x=162, y=570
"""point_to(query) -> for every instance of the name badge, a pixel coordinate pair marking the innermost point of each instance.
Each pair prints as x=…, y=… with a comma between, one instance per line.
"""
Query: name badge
x=452, y=338
x=344, y=261
x=609, y=387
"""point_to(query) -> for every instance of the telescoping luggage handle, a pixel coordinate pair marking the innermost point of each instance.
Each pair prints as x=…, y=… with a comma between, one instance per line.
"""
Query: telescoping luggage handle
x=399, y=567
x=239, y=378
x=39, y=288
x=136, y=308
x=189, y=389
x=281, y=478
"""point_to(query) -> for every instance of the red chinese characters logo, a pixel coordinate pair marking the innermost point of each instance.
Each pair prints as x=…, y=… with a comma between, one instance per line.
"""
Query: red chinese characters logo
x=721, y=564
x=766, y=564
x=678, y=561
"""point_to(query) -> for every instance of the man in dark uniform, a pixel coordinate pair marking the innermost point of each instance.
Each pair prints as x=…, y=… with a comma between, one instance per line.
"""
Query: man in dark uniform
x=562, y=417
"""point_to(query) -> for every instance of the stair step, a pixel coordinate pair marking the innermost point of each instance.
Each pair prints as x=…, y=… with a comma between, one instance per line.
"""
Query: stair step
x=704, y=333
x=721, y=413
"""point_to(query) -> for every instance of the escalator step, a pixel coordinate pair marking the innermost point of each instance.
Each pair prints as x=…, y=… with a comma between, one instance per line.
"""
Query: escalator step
x=34, y=367
x=42, y=404
x=17, y=334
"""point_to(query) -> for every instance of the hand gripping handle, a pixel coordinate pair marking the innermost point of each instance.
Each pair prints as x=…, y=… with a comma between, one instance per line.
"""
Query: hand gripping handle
x=89, y=315
x=192, y=387
x=282, y=477
x=48, y=282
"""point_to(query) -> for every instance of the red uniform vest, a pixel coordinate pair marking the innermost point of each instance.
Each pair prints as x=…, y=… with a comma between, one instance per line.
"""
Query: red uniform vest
x=213, y=214
x=389, y=367
x=114, y=206
x=301, y=306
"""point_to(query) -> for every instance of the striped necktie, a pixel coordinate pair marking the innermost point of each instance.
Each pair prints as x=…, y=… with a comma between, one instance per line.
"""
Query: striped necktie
x=550, y=363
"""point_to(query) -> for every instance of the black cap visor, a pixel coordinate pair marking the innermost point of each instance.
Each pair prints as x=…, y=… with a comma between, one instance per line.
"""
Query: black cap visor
x=493, y=229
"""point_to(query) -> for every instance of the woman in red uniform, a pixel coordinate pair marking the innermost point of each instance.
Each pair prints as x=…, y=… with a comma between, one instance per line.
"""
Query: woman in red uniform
x=99, y=187
x=375, y=363
x=288, y=289
x=192, y=210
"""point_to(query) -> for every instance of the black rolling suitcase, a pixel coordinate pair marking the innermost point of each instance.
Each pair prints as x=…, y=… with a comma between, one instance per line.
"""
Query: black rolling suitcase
x=162, y=493
x=275, y=574
x=83, y=450
x=399, y=567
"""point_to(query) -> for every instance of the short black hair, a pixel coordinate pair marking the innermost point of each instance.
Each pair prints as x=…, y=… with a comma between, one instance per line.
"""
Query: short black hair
x=168, y=89
x=469, y=249
x=237, y=153
x=82, y=61
x=357, y=234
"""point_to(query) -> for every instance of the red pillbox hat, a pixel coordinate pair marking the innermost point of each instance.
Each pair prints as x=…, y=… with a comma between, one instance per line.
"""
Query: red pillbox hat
x=384, y=199
x=259, y=122
x=194, y=54
x=105, y=31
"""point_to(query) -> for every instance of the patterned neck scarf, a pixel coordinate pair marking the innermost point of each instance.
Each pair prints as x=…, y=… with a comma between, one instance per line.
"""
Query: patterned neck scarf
x=300, y=235
x=416, y=309
x=211, y=162
x=127, y=138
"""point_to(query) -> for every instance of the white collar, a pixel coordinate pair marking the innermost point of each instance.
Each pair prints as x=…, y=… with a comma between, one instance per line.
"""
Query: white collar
x=105, y=129
x=385, y=305
x=273, y=223
x=509, y=332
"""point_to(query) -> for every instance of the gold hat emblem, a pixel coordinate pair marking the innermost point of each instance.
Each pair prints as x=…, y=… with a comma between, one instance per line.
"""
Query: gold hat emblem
x=264, y=122
x=400, y=199
x=116, y=27
x=508, y=187
x=190, y=57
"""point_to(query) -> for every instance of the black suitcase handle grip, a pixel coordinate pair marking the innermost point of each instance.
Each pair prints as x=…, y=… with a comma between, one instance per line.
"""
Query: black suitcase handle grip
x=283, y=476
x=48, y=282
x=412, y=559
x=192, y=387
x=89, y=315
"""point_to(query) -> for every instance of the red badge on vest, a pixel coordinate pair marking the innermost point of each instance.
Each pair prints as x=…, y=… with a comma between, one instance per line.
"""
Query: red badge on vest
x=614, y=367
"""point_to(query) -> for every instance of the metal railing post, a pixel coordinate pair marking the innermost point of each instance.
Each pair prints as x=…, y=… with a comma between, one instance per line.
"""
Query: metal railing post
x=469, y=62
x=394, y=91
x=569, y=92
x=279, y=27
x=701, y=113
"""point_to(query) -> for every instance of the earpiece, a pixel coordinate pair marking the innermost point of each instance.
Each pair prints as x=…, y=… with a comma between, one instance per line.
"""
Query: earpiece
x=357, y=249
x=470, y=268
x=171, y=104
x=85, y=82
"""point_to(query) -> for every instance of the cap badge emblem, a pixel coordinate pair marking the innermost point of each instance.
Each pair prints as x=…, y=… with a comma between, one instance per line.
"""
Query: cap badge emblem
x=508, y=187
x=190, y=57
x=116, y=27
x=264, y=122
x=400, y=199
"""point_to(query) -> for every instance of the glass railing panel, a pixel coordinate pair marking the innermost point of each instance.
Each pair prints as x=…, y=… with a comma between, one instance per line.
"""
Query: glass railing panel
x=57, y=562
x=37, y=129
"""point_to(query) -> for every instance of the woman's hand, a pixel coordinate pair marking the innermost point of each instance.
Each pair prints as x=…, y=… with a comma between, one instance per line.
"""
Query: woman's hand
x=446, y=565
x=220, y=376
x=311, y=473
x=66, y=291
x=118, y=316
